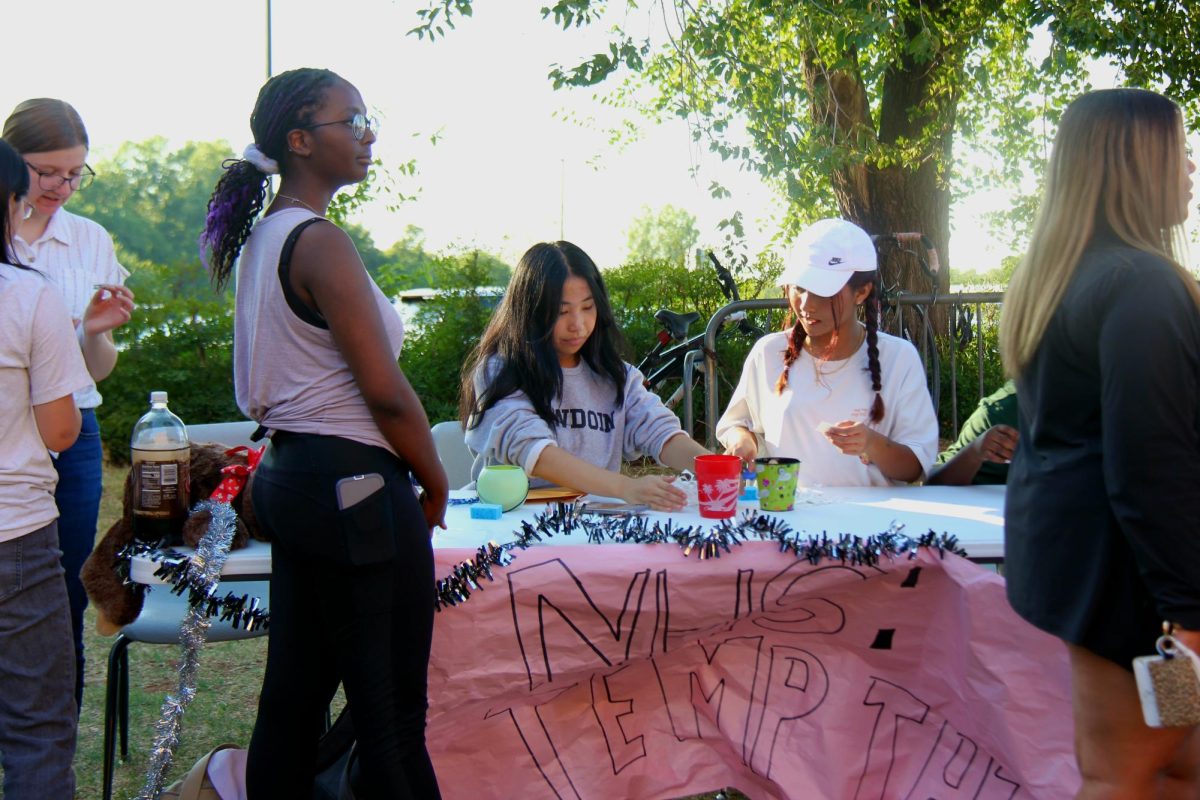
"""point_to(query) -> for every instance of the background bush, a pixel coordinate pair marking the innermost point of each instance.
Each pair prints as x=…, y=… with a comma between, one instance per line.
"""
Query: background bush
x=179, y=341
x=966, y=367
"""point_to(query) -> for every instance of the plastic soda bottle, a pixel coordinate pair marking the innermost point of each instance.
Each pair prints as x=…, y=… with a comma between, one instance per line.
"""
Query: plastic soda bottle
x=161, y=458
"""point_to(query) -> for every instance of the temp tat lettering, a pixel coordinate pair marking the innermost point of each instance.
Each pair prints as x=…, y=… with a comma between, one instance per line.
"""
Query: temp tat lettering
x=762, y=682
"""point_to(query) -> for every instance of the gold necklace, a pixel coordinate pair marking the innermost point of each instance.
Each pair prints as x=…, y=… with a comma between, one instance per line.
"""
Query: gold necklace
x=301, y=202
x=820, y=373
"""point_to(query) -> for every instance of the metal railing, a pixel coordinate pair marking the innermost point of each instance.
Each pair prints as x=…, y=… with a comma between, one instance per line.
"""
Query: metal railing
x=956, y=301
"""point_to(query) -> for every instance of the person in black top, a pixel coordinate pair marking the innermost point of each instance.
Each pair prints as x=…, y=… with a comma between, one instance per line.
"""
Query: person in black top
x=1101, y=330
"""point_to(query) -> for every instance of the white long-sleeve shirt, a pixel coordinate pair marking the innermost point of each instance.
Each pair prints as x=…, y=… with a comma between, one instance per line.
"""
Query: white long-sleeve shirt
x=588, y=423
x=789, y=424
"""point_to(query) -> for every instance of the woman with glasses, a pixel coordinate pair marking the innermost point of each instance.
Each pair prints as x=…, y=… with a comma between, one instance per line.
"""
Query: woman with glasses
x=315, y=350
x=77, y=256
x=40, y=368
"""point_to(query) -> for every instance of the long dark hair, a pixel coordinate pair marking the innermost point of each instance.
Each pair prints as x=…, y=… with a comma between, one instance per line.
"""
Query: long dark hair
x=14, y=184
x=520, y=335
x=285, y=102
x=797, y=336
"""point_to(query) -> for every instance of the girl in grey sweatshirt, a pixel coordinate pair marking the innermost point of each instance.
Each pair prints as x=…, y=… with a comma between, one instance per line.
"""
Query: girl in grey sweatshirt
x=546, y=390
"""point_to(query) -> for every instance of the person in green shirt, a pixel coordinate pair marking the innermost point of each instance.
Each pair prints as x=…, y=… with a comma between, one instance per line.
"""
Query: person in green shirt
x=985, y=445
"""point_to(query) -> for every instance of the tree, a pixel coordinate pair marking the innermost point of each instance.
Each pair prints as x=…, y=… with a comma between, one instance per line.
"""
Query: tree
x=668, y=235
x=447, y=328
x=153, y=200
x=1152, y=41
x=854, y=106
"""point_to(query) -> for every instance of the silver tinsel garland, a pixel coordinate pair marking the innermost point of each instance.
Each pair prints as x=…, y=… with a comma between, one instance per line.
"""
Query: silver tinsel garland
x=207, y=562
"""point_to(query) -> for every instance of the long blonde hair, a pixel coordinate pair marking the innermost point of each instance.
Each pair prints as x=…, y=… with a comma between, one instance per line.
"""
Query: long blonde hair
x=1118, y=163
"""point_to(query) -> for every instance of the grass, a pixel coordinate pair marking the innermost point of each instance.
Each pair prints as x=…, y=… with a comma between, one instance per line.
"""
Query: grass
x=222, y=711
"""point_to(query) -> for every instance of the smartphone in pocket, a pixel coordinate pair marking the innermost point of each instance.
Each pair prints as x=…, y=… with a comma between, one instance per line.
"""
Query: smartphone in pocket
x=353, y=490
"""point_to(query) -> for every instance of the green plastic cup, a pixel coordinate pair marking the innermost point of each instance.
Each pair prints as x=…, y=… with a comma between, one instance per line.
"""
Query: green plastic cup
x=776, y=480
x=505, y=485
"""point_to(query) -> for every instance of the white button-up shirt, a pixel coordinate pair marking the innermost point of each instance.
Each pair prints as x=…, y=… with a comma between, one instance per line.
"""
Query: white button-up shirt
x=75, y=254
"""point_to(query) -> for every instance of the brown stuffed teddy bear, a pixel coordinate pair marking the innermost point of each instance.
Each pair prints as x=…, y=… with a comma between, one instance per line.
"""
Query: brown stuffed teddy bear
x=118, y=604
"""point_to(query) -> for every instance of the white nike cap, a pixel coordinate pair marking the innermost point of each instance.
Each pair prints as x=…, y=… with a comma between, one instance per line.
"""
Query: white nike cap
x=826, y=254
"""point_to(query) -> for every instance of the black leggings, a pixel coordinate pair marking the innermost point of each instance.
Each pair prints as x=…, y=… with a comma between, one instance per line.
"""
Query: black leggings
x=351, y=601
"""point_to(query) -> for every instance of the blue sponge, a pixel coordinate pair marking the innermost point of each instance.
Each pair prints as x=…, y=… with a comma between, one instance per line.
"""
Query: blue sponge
x=486, y=511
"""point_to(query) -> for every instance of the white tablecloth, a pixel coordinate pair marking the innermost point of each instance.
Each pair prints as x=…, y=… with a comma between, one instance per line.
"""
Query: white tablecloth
x=975, y=514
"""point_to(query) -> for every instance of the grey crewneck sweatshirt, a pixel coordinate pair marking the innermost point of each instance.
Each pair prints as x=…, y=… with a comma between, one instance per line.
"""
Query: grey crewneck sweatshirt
x=588, y=423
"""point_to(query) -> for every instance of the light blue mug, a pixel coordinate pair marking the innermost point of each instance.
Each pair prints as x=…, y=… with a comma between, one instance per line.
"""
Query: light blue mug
x=503, y=484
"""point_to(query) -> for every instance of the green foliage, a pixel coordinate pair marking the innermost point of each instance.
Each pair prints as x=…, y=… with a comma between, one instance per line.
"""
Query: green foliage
x=852, y=106
x=153, y=200
x=993, y=280
x=179, y=341
x=668, y=235
x=381, y=183
x=638, y=289
x=406, y=264
x=1152, y=41
x=446, y=330
x=860, y=106
x=977, y=368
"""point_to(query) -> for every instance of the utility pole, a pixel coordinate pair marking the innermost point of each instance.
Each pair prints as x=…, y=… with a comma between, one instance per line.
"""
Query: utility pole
x=562, y=196
x=268, y=39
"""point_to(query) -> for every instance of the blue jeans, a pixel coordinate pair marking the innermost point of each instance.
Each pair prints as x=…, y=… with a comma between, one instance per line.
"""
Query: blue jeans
x=78, y=499
x=37, y=671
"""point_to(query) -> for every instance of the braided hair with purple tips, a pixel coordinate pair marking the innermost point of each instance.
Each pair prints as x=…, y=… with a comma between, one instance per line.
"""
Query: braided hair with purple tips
x=286, y=102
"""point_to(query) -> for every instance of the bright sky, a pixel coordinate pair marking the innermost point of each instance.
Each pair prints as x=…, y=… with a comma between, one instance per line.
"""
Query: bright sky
x=512, y=163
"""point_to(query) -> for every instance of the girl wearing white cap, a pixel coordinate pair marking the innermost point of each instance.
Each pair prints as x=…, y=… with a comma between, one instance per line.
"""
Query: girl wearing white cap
x=846, y=399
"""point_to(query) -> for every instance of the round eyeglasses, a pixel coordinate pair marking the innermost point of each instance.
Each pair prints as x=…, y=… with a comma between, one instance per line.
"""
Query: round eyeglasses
x=359, y=125
x=49, y=180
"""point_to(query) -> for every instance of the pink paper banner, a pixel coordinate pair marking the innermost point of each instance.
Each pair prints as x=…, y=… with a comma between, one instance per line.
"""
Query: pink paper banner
x=629, y=671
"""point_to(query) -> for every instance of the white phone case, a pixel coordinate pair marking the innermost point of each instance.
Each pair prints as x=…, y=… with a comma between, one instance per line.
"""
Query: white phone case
x=1145, y=684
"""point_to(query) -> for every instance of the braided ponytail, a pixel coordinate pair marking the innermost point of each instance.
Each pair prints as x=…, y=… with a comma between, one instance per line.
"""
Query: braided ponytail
x=795, y=345
x=871, y=313
x=285, y=102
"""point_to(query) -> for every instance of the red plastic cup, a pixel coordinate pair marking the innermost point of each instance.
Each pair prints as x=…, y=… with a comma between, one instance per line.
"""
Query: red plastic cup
x=718, y=484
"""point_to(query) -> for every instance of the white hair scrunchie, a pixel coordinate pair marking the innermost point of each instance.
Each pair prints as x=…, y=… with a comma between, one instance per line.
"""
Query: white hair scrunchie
x=261, y=160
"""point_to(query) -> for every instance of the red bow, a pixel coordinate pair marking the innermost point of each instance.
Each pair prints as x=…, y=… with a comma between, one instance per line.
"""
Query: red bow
x=236, y=475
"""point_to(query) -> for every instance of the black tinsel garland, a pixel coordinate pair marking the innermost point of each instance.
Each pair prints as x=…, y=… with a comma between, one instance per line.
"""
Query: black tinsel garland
x=177, y=570
x=706, y=542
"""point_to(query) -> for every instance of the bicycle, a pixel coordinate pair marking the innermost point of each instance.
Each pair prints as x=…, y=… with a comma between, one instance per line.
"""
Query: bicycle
x=676, y=356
